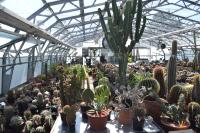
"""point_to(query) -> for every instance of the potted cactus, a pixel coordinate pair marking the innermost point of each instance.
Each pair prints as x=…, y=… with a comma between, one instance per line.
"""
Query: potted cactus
x=175, y=117
x=85, y=105
x=98, y=116
x=150, y=101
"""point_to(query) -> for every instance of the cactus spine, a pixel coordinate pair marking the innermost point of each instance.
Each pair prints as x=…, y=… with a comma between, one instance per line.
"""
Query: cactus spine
x=196, y=90
x=119, y=29
x=158, y=74
x=150, y=82
x=171, y=78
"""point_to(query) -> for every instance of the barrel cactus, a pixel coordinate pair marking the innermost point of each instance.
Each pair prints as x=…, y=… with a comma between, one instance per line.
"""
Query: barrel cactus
x=193, y=110
x=158, y=74
x=119, y=29
x=196, y=89
x=150, y=83
x=175, y=92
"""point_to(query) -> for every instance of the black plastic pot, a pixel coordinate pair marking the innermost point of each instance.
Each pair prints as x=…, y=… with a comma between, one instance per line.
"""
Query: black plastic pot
x=138, y=125
x=63, y=118
x=84, y=109
x=71, y=128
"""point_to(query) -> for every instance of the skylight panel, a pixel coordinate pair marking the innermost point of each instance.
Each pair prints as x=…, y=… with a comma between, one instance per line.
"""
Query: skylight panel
x=48, y=23
x=93, y=9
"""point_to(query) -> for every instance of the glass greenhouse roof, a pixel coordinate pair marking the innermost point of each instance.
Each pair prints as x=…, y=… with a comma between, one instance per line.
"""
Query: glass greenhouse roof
x=76, y=21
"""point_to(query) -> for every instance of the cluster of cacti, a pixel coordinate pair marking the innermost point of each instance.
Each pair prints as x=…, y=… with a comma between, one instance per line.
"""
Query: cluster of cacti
x=119, y=29
x=88, y=95
x=171, y=77
x=158, y=74
x=196, y=89
x=175, y=92
x=150, y=83
x=193, y=110
x=70, y=112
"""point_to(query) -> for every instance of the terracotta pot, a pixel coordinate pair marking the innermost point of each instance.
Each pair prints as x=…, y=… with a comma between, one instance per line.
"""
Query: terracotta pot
x=153, y=109
x=170, y=126
x=125, y=116
x=98, y=123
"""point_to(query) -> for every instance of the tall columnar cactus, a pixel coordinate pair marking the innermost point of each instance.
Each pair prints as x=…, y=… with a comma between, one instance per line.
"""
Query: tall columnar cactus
x=150, y=82
x=158, y=74
x=174, y=47
x=119, y=29
x=196, y=89
x=198, y=60
x=171, y=76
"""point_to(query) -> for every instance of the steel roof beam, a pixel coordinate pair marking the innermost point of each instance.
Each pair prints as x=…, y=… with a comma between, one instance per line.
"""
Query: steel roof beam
x=45, y=6
x=185, y=18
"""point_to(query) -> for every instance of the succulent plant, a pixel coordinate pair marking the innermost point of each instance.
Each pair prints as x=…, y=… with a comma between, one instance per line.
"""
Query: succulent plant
x=27, y=115
x=175, y=92
x=56, y=93
x=40, y=129
x=196, y=89
x=150, y=83
x=16, y=121
x=119, y=29
x=177, y=112
x=10, y=97
x=171, y=76
x=193, y=110
x=101, y=97
x=174, y=47
x=70, y=112
x=197, y=121
x=9, y=112
x=88, y=95
x=36, y=120
x=28, y=126
x=134, y=79
x=158, y=74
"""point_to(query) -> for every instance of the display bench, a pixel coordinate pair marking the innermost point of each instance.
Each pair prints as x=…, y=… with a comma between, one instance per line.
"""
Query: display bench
x=112, y=126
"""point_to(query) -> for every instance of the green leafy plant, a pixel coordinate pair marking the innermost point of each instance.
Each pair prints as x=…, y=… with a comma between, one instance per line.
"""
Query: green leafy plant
x=101, y=97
